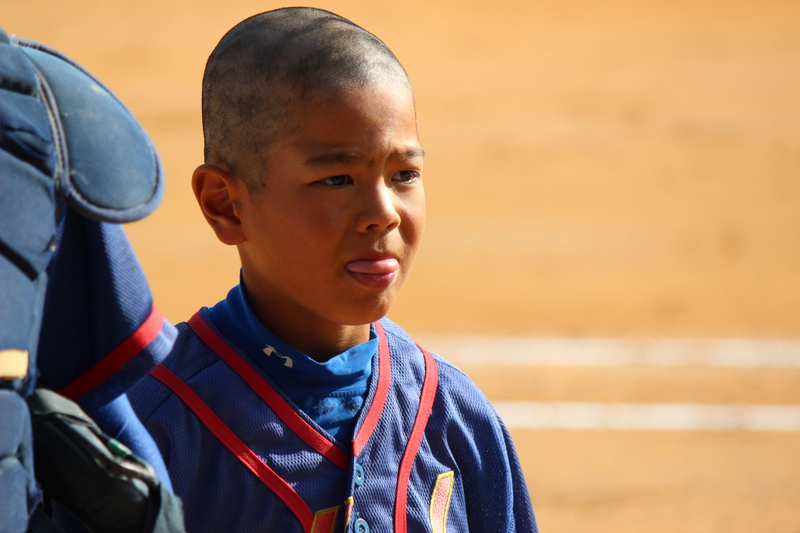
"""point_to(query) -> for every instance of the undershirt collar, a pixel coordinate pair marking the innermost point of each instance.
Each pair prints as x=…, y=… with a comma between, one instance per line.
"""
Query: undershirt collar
x=289, y=368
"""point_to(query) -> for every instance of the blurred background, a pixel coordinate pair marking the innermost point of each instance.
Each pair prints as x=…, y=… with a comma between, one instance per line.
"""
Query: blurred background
x=613, y=239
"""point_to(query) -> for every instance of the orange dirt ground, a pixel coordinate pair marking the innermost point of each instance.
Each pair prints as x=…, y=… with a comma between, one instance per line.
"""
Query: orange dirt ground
x=618, y=168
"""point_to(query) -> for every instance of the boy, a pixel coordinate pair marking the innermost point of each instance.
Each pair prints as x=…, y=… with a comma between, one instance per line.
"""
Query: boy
x=293, y=405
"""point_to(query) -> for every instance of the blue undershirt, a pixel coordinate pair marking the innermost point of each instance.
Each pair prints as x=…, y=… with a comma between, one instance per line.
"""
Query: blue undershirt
x=330, y=393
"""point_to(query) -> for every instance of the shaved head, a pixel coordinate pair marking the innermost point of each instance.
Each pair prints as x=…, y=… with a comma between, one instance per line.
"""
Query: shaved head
x=268, y=67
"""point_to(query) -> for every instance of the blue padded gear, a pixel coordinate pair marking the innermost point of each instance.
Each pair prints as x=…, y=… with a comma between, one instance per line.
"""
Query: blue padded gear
x=17, y=491
x=109, y=169
x=27, y=227
x=69, y=150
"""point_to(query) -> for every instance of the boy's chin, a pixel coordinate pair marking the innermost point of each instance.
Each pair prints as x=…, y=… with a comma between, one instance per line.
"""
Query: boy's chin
x=367, y=316
x=364, y=320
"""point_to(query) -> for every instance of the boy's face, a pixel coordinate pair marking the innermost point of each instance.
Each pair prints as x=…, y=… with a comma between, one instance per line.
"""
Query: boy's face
x=331, y=236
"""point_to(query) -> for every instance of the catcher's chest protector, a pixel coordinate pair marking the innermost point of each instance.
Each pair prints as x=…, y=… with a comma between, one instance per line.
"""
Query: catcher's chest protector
x=66, y=144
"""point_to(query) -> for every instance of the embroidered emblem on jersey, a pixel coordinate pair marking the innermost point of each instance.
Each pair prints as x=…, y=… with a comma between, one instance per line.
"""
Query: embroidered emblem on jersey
x=348, y=509
x=270, y=350
x=440, y=501
x=325, y=520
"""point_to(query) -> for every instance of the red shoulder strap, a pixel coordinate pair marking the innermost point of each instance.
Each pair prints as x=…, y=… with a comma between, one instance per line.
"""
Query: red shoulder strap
x=236, y=446
x=427, y=396
x=289, y=416
x=116, y=358
x=381, y=392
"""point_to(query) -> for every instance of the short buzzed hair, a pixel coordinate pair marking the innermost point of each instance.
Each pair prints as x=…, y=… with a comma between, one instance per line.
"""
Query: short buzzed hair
x=267, y=66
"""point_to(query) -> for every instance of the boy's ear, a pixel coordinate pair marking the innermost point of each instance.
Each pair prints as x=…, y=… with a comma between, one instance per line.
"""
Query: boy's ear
x=219, y=194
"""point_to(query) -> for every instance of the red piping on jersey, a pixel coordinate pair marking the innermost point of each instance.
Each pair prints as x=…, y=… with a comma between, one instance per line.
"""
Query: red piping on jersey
x=423, y=413
x=289, y=416
x=116, y=358
x=239, y=449
x=381, y=392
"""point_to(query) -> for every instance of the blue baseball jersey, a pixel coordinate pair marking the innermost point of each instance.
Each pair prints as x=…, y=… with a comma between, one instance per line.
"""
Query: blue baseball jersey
x=428, y=454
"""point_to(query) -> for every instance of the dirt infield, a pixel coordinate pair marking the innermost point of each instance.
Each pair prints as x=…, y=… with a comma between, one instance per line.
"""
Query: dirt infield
x=624, y=168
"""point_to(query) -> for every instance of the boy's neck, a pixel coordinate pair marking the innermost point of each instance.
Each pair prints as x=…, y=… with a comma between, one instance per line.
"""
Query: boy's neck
x=319, y=339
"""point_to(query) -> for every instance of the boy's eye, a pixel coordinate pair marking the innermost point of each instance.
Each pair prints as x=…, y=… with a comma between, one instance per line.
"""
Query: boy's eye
x=406, y=176
x=336, y=181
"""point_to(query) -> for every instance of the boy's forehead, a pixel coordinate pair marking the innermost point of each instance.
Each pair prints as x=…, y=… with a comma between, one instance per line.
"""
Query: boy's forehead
x=377, y=106
x=355, y=130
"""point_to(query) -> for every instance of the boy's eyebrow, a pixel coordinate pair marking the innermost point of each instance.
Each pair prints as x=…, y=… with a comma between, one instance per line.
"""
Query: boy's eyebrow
x=345, y=156
x=413, y=153
x=333, y=157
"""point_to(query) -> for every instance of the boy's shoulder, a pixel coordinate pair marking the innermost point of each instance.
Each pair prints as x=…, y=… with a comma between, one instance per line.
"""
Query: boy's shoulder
x=446, y=368
x=454, y=388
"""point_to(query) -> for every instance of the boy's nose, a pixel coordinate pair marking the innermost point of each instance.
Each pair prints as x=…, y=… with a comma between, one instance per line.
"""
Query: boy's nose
x=380, y=211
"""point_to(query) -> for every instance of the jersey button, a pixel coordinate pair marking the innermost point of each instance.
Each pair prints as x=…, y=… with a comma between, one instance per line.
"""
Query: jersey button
x=359, y=477
x=362, y=526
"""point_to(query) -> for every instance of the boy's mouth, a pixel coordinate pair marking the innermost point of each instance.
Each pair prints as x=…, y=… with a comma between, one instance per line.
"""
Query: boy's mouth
x=374, y=273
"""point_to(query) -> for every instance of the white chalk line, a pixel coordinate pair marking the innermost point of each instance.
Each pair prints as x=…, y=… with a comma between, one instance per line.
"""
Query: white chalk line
x=612, y=352
x=649, y=417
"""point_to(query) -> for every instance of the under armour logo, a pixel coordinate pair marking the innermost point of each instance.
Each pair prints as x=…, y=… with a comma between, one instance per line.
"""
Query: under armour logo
x=287, y=361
